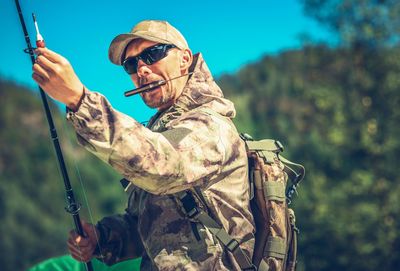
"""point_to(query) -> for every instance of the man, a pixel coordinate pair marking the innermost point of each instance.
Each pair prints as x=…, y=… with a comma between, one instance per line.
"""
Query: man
x=190, y=144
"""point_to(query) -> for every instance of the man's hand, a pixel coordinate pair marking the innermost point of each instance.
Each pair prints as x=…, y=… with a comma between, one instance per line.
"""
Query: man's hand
x=57, y=77
x=82, y=248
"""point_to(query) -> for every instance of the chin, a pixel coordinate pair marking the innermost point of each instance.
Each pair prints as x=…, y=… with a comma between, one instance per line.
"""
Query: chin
x=152, y=104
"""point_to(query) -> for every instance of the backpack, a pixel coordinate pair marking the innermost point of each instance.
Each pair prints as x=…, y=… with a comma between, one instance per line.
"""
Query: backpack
x=276, y=231
x=270, y=194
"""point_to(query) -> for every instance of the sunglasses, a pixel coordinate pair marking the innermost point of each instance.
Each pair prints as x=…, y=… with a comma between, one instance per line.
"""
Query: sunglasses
x=149, y=56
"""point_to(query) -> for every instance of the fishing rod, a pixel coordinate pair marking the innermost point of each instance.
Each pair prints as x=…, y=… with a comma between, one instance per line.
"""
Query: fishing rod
x=73, y=207
x=152, y=85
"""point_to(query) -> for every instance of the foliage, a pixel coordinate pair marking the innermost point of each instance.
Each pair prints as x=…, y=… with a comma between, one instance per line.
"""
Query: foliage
x=336, y=111
x=372, y=23
x=32, y=197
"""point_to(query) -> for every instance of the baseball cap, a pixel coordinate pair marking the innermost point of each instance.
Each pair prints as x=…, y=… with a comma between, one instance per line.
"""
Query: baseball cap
x=153, y=30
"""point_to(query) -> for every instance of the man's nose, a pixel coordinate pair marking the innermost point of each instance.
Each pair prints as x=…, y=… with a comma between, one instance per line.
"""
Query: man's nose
x=143, y=69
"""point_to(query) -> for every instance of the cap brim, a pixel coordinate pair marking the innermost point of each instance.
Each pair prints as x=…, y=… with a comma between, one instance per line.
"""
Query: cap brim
x=119, y=43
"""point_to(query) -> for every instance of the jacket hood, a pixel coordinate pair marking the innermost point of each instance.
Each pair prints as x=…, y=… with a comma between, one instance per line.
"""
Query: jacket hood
x=202, y=91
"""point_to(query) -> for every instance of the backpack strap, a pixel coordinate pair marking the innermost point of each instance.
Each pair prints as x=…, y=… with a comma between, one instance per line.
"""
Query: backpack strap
x=232, y=245
x=295, y=176
x=270, y=149
x=292, y=253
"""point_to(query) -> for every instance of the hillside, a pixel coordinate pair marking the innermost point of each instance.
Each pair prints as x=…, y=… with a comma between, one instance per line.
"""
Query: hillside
x=32, y=198
x=337, y=111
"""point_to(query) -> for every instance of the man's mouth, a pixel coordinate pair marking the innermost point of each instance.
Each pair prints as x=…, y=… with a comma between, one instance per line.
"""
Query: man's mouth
x=147, y=87
x=157, y=84
x=151, y=90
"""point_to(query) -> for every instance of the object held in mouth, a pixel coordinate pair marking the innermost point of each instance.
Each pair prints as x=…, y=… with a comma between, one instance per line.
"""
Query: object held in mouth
x=151, y=86
x=145, y=88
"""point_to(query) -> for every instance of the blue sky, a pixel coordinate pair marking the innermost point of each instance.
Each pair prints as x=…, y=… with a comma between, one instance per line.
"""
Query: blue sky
x=230, y=34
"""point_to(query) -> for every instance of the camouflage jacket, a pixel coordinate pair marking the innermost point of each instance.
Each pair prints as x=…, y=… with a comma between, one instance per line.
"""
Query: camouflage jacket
x=181, y=148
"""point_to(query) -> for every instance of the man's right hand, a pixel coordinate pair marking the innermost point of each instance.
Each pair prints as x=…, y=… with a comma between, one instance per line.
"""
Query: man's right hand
x=82, y=248
x=57, y=78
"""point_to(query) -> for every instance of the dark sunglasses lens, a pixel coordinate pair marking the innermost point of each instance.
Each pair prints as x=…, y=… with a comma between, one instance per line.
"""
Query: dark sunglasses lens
x=153, y=54
x=149, y=56
x=130, y=65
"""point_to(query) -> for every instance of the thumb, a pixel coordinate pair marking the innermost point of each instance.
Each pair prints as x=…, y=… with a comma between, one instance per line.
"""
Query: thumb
x=91, y=233
x=88, y=228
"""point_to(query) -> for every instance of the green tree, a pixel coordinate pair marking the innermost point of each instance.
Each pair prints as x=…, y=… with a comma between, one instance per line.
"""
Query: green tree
x=372, y=23
x=34, y=224
x=337, y=112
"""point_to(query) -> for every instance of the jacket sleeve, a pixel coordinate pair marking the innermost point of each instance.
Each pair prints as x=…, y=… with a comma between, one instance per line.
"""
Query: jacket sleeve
x=191, y=151
x=119, y=239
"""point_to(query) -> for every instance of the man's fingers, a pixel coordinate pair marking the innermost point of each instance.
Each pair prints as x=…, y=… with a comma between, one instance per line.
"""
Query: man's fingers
x=75, y=241
x=37, y=69
x=81, y=248
x=81, y=257
x=79, y=240
x=73, y=249
x=46, y=64
x=80, y=253
x=50, y=55
x=38, y=79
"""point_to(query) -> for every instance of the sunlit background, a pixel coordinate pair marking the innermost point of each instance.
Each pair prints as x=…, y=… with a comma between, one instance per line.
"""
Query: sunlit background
x=229, y=34
x=323, y=77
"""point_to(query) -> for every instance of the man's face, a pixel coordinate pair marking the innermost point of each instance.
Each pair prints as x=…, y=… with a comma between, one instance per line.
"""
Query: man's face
x=164, y=69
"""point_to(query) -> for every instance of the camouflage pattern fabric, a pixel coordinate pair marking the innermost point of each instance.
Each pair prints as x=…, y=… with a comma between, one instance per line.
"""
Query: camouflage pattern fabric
x=182, y=147
x=272, y=220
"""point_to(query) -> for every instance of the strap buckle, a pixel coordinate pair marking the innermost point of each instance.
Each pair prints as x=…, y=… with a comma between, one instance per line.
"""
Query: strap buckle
x=193, y=213
x=279, y=145
x=189, y=205
x=232, y=245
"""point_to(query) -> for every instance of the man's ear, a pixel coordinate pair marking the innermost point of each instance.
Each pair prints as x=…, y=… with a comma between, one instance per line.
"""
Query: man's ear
x=186, y=59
